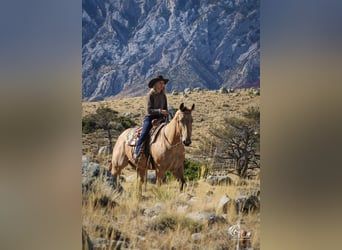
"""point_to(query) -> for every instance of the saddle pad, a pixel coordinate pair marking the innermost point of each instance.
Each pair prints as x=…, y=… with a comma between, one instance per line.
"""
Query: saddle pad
x=132, y=136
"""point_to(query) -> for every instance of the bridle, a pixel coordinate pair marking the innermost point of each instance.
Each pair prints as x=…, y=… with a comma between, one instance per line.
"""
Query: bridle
x=180, y=134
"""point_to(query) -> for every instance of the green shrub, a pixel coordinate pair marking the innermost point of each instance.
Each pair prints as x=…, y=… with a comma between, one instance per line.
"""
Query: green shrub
x=88, y=125
x=192, y=170
x=169, y=176
x=126, y=122
x=108, y=120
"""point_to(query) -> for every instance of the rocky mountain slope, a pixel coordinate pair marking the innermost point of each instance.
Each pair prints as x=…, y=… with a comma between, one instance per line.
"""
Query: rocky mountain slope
x=196, y=43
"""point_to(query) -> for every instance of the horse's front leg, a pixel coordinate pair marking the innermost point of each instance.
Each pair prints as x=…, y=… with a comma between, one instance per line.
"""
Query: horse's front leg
x=160, y=176
x=179, y=174
x=182, y=184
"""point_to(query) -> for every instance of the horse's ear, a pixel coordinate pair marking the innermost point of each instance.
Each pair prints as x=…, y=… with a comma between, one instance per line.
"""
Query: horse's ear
x=181, y=107
x=192, y=107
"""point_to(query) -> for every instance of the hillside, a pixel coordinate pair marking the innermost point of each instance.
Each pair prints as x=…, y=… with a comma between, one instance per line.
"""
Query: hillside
x=210, y=109
x=207, y=44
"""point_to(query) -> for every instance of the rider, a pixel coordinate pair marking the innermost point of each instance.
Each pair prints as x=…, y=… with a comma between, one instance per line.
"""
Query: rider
x=156, y=108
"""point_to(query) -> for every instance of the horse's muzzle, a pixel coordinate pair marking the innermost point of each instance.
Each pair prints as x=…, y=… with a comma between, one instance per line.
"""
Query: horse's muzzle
x=187, y=142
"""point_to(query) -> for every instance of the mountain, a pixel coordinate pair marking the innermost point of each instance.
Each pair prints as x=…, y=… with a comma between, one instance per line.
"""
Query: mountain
x=195, y=43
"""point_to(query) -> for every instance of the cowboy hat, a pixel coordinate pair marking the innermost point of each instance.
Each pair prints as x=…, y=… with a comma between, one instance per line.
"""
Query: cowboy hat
x=157, y=79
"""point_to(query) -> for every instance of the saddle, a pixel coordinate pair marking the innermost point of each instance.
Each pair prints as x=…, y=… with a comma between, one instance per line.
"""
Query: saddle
x=134, y=134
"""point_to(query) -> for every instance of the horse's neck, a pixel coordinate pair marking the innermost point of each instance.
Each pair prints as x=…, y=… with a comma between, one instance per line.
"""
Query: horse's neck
x=171, y=132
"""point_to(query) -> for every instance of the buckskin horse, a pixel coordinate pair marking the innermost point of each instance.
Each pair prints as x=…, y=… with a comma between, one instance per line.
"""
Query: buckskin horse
x=166, y=150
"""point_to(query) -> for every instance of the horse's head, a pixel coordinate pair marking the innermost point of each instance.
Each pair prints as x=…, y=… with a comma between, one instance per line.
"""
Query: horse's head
x=185, y=123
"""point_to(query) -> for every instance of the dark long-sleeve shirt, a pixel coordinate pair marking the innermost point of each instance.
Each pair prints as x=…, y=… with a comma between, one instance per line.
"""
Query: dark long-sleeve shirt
x=155, y=103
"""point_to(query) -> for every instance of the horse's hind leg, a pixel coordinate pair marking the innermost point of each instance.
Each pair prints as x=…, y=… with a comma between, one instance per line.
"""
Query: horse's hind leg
x=119, y=160
x=160, y=176
x=142, y=175
x=115, y=173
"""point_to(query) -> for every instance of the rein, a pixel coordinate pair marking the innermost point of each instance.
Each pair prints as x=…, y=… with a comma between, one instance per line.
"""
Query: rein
x=173, y=145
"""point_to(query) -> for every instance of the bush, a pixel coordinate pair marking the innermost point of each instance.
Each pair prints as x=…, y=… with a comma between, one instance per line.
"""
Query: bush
x=192, y=170
x=106, y=119
x=126, y=122
x=171, y=222
x=169, y=176
x=164, y=222
x=252, y=113
x=88, y=125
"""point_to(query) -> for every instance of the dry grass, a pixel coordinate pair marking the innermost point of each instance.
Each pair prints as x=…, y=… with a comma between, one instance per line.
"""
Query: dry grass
x=159, y=219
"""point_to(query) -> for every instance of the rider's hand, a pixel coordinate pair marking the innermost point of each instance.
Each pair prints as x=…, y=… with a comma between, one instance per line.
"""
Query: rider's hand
x=164, y=112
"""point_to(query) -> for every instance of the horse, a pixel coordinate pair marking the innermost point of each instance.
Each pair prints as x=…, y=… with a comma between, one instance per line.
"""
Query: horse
x=167, y=151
